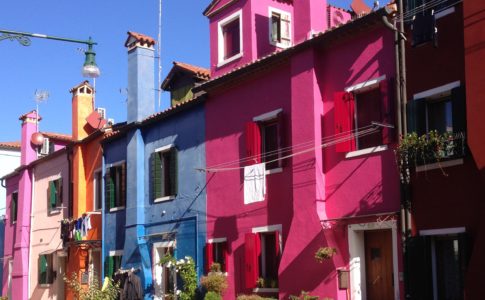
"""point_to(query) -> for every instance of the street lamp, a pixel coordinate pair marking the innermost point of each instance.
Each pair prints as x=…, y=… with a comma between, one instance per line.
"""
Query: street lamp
x=90, y=69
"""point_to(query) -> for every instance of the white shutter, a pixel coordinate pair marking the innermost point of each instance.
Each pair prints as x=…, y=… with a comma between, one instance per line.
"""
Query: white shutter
x=45, y=147
x=286, y=30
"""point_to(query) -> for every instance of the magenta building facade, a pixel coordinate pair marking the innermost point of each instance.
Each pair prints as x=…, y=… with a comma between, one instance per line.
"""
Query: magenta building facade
x=300, y=96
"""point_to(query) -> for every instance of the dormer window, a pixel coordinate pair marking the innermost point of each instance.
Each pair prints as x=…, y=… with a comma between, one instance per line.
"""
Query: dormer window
x=230, y=38
x=279, y=28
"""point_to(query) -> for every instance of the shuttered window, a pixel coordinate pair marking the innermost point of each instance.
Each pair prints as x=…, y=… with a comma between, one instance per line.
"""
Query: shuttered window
x=54, y=194
x=14, y=207
x=262, y=259
x=280, y=28
x=115, y=186
x=112, y=264
x=216, y=252
x=164, y=173
x=46, y=272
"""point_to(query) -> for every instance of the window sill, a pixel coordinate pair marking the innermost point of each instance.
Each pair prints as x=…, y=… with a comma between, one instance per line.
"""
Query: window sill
x=266, y=290
x=163, y=199
x=230, y=59
x=45, y=285
x=440, y=165
x=280, y=45
x=116, y=208
x=55, y=211
x=273, y=171
x=366, y=151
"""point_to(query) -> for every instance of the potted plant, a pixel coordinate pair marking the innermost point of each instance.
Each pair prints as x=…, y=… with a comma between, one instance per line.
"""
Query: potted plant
x=324, y=253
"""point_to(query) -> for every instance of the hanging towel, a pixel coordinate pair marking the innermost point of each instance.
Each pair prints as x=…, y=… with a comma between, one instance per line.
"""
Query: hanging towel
x=254, y=183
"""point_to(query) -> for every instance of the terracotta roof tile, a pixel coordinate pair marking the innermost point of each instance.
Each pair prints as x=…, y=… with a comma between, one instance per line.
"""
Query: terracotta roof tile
x=173, y=108
x=203, y=73
x=58, y=136
x=30, y=112
x=10, y=145
x=141, y=38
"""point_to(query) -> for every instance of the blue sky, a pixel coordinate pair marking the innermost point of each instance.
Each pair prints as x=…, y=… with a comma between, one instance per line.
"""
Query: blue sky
x=56, y=66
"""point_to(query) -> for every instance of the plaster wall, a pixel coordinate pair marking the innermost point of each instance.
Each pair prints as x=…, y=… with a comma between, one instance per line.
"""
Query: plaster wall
x=9, y=160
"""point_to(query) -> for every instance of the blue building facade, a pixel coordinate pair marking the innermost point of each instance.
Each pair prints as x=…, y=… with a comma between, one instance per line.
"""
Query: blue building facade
x=154, y=198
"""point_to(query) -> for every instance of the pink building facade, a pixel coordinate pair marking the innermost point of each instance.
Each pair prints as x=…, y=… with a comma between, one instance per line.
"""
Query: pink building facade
x=300, y=97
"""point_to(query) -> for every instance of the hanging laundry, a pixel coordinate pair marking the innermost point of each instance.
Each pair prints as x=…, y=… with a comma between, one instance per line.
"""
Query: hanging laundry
x=132, y=289
x=424, y=29
x=254, y=183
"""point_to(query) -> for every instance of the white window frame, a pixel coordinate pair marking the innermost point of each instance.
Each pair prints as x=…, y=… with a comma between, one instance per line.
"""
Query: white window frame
x=164, y=149
x=220, y=38
x=265, y=118
x=267, y=229
x=282, y=13
x=358, y=88
x=57, y=209
x=116, y=164
x=95, y=182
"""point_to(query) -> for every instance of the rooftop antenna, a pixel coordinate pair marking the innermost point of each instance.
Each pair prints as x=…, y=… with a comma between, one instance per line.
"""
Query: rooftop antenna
x=159, y=89
x=40, y=97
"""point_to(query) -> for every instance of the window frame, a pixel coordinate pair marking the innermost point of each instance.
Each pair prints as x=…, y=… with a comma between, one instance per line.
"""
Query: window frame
x=14, y=209
x=270, y=118
x=214, y=244
x=220, y=38
x=279, y=43
x=50, y=273
x=59, y=195
x=112, y=254
x=122, y=201
x=98, y=183
x=167, y=149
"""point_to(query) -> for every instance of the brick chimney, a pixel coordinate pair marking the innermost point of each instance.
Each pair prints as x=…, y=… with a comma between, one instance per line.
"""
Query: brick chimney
x=141, y=77
x=28, y=151
x=82, y=107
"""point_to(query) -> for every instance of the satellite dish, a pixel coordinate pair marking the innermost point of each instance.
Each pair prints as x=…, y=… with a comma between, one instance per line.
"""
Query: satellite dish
x=37, y=139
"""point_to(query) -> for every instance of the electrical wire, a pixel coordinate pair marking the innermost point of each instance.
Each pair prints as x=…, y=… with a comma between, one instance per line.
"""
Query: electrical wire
x=409, y=15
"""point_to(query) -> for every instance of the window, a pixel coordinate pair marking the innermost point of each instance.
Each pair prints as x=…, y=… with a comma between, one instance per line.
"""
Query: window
x=415, y=7
x=164, y=173
x=98, y=179
x=54, y=194
x=262, y=258
x=279, y=28
x=441, y=109
x=14, y=207
x=438, y=261
x=355, y=111
x=264, y=139
x=216, y=252
x=115, y=186
x=230, y=38
x=112, y=263
x=46, y=272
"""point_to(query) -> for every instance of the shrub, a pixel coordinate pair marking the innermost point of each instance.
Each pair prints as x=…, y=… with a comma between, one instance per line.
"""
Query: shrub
x=212, y=296
x=305, y=296
x=215, y=267
x=94, y=290
x=253, y=297
x=214, y=282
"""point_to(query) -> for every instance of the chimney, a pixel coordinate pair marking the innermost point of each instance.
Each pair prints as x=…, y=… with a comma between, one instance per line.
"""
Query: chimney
x=141, y=77
x=311, y=16
x=28, y=150
x=82, y=107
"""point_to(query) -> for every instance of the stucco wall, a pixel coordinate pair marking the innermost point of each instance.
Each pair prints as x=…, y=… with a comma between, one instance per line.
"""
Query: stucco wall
x=9, y=160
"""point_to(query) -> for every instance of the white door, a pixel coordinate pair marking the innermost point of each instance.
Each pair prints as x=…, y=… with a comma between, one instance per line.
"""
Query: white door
x=161, y=274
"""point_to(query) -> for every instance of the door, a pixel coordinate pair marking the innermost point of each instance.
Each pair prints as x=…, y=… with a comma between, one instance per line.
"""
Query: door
x=378, y=264
x=162, y=279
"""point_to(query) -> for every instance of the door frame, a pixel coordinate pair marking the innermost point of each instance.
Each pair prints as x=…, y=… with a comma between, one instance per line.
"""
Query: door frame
x=357, y=256
x=155, y=257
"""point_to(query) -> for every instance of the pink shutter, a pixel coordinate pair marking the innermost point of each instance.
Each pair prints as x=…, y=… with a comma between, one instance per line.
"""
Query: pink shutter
x=251, y=249
x=344, y=121
x=225, y=254
x=387, y=109
x=209, y=258
x=253, y=142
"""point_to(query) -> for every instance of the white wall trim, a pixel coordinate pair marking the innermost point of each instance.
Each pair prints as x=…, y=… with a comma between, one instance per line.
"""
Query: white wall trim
x=115, y=164
x=357, y=256
x=442, y=231
x=444, y=12
x=437, y=91
x=365, y=85
x=116, y=253
x=272, y=10
x=268, y=228
x=217, y=240
x=268, y=116
x=366, y=151
x=164, y=148
x=220, y=38
x=164, y=244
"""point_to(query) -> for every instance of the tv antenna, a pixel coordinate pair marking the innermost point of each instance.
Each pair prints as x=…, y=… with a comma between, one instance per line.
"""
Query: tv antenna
x=41, y=96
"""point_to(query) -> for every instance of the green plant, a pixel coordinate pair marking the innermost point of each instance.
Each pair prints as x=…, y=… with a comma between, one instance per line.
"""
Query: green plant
x=212, y=296
x=324, y=253
x=260, y=282
x=253, y=297
x=3, y=298
x=214, y=282
x=215, y=267
x=93, y=291
x=304, y=296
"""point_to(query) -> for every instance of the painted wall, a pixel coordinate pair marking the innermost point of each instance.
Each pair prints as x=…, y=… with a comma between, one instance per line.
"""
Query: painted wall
x=10, y=233
x=9, y=160
x=45, y=226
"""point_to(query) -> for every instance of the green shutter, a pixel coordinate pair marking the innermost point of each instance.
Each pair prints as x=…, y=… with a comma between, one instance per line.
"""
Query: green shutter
x=109, y=189
x=52, y=194
x=42, y=269
x=109, y=267
x=156, y=180
x=122, y=200
x=59, y=192
x=173, y=172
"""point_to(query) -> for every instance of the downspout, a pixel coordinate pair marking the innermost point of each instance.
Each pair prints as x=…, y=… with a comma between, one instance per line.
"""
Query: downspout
x=103, y=216
x=31, y=223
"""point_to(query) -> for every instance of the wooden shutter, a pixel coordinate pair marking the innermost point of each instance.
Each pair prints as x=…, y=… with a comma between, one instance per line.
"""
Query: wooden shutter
x=173, y=172
x=387, y=110
x=251, y=262
x=122, y=189
x=418, y=281
x=344, y=121
x=458, y=107
x=209, y=256
x=416, y=116
x=109, y=266
x=253, y=142
x=156, y=180
x=285, y=27
x=42, y=269
x=52, y=194
x=109, y=189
